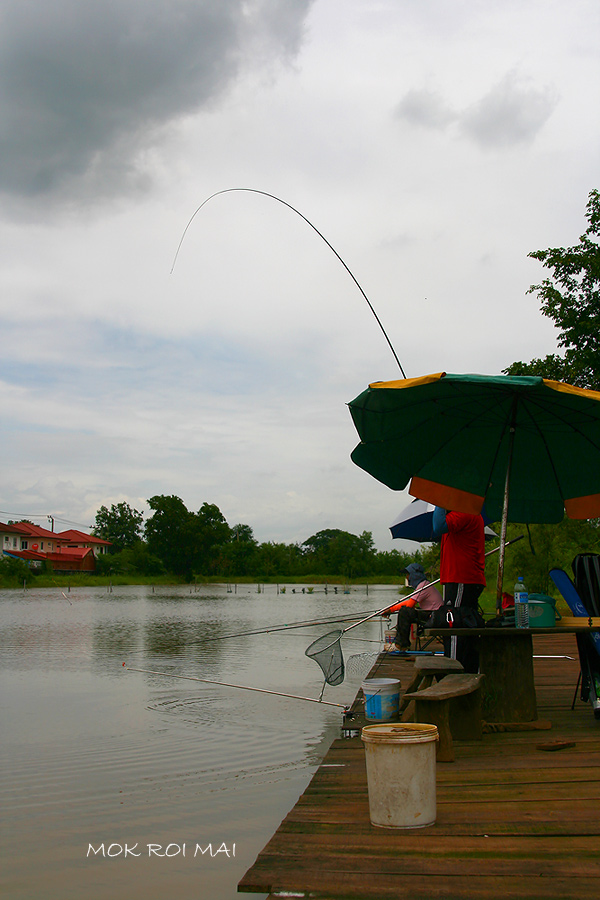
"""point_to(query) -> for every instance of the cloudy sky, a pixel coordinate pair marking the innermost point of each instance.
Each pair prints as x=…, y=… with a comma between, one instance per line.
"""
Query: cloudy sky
x=434, y=144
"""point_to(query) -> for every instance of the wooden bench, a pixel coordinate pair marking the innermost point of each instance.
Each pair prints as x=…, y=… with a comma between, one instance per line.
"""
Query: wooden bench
x=427, y=670
x=454, y=706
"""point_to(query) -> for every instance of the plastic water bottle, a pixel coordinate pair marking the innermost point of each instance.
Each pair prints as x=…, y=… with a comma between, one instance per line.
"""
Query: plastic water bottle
x=521, y=604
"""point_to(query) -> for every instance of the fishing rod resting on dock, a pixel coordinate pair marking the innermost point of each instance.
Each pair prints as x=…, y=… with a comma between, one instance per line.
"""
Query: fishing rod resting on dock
x=243, y=687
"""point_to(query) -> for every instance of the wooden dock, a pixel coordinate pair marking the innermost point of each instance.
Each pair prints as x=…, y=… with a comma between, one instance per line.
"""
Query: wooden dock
x=518, y=813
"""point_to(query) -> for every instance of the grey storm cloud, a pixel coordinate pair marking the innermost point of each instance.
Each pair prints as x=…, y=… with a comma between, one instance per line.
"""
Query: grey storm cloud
x=425, y=108
x=510, y=113
x=85, y=83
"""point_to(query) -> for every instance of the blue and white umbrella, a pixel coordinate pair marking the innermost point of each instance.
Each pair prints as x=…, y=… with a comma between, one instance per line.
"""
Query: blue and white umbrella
x=415, y=523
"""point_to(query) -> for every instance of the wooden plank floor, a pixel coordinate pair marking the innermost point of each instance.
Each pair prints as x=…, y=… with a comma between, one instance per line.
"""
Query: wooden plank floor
x=513, y=820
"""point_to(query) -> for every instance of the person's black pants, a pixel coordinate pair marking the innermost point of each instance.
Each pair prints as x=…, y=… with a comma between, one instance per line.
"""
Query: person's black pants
x=461, y=602
x=407, y=616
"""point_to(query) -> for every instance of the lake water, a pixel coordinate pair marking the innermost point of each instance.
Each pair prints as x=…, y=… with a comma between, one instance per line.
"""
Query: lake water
x=192, y=778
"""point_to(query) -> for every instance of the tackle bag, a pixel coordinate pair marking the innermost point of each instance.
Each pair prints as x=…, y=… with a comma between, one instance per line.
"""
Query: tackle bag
x=456, y=617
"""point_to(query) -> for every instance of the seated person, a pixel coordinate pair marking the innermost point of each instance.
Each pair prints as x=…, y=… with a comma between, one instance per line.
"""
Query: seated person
x=417, y=608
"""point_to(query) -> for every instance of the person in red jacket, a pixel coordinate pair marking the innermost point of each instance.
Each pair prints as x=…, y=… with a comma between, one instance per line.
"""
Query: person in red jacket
x=462, y=574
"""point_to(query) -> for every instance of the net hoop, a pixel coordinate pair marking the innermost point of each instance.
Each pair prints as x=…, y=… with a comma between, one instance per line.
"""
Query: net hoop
x=327, y=652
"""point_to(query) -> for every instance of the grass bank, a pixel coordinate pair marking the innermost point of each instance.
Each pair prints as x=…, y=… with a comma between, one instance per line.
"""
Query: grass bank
x=487, y=600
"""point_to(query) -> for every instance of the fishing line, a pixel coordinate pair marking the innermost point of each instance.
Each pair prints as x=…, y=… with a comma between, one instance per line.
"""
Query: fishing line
x=310, y=623
x=243, y=687
x=275, y=628
x=326, y=651
x=314, y=228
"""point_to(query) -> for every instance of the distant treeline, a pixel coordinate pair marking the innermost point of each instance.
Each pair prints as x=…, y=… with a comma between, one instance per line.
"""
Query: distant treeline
x=202, y=544
x=189, y=546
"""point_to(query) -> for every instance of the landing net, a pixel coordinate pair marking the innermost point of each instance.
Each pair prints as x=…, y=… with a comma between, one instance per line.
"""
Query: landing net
x=327, y=652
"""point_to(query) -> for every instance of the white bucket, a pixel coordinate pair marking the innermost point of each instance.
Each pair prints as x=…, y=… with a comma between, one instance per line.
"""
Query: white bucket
x=389, y=639
x=401, y=774
x=382, y=698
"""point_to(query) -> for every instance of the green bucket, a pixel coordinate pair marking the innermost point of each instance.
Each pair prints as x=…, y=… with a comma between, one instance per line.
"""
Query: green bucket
x=542, y=611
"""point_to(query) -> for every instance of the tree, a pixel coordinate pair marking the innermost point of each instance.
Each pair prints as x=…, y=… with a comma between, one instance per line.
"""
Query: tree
x=391, y=562
x=170, y=534
x=335, y=552
x=136, y=559
x=13, y=571
x=243, y=533
x=273, y=559
x=238, y=555
x=121, y=525
x=213, y=531
x=546, y=546
x=186, y=542
x=571, y=298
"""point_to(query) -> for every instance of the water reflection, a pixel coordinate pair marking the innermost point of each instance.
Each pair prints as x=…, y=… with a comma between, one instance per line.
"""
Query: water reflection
x=92, y=752
x=115, y=638
x=170, y=637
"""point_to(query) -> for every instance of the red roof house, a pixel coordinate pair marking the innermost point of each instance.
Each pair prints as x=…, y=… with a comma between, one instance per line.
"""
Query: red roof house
x=66, y=551
x=73, y=538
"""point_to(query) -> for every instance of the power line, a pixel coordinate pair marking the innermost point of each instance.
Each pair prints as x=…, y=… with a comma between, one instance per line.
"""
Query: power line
x=68, y=522
x=4, y=512
x=22, y=516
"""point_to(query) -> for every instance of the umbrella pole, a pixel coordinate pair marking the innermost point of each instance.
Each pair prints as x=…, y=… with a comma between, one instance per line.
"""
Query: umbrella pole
x=504, y=524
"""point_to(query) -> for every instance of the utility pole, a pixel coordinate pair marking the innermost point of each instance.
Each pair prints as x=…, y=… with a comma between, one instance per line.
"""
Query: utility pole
x=51, y=519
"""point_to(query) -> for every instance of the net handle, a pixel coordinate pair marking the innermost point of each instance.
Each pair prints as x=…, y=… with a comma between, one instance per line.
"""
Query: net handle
x=383, y=609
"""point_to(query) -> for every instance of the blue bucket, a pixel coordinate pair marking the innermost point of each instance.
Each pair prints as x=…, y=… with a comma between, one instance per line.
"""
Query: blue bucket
x=382, y=699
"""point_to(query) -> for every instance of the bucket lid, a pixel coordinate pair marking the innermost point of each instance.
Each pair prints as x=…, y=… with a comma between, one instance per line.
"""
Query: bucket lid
x=399, y=733
x=542, y=598
x=380, y=683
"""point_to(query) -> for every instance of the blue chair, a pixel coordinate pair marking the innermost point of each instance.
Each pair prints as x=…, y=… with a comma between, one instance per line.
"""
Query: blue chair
x=588, y=645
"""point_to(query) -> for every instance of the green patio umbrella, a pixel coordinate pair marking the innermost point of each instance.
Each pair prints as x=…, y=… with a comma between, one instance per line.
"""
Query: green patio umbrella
x=528, y=447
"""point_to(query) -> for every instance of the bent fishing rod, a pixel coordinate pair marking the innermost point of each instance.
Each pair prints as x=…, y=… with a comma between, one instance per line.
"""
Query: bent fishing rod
x=314, y=228
x=243, y=687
